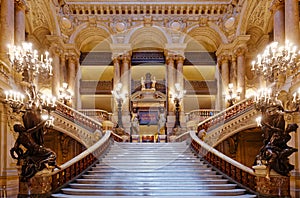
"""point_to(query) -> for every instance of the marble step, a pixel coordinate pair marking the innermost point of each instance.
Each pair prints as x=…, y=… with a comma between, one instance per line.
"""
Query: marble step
x=139, y=162
x=147, y=174
x=149, y=166
x=155, y=187
x=166, y=182
x=152, y=178
x=167, y=171
x=159, y=170
x=164, y=196
x=145, y=192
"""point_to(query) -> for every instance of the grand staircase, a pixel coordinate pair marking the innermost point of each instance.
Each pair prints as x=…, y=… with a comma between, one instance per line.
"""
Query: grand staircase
x=152, y=169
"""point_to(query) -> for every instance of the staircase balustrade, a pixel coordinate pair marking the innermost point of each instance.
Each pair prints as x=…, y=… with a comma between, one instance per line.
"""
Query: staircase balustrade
x=233, y=169
x=228, y=122
x=73, y=168
x=96, y=114
x=77, y=117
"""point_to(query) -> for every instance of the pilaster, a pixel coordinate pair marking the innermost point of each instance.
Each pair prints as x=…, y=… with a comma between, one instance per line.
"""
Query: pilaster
x=20, y=9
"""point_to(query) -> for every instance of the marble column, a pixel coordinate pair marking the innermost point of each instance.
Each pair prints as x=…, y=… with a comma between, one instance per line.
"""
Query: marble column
x=117, y=72
x=180, y=80
x=20, y=22
x=125, y=72
x=292, y=21
x=170, y=81
x=125, y=81
x=225, y=72
x=277, y=8
x=233, y=71
x=55, y=51
x=63, y=69
x=7, y=27
x=241, y=70
x=72, y=73
x=179, y=73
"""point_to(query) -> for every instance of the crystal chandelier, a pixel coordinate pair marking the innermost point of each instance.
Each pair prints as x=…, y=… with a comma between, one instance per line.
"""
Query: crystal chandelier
x=276, y=60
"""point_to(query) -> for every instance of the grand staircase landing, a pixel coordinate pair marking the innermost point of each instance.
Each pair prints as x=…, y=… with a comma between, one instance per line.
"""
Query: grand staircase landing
x=152, y=169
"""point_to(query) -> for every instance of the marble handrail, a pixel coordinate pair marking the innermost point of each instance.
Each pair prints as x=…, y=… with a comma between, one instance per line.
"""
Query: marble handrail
x=237, y=171
x=78, y=117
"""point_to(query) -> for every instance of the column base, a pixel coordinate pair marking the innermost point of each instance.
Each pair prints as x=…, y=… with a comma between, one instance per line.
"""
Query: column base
x=276, y=186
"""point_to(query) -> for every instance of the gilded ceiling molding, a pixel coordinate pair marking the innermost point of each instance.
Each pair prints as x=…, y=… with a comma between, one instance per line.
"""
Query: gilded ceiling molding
x=260, y=15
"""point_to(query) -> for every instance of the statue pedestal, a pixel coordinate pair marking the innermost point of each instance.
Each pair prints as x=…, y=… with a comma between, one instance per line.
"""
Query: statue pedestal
x=276, y=186
x=37, y=186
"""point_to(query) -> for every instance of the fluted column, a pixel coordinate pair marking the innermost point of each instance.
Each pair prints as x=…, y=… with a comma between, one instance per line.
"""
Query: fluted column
x=20, y=22
x=277, y=8
x=55, y=51
x=241, y=70
x=7, y=27
x=292, y=21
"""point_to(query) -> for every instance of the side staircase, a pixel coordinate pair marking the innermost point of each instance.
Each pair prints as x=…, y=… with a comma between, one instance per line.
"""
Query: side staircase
x=152, y=169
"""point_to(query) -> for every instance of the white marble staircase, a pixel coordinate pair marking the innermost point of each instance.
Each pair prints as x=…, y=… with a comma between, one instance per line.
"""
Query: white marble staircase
x=151, y=169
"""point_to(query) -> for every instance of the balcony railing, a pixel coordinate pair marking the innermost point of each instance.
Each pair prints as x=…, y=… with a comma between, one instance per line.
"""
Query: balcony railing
x=200, y=114
x=97, y=114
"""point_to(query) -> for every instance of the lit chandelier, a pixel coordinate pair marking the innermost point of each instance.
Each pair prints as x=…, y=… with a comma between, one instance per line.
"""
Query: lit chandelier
x=24, y=59
x=27, y=62
x=276, y=60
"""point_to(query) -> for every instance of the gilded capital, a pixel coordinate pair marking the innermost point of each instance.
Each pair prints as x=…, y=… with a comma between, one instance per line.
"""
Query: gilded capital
x=276, y=5
x=170, y=58
x=224, y=58
x=240, y=51
x=21, y=5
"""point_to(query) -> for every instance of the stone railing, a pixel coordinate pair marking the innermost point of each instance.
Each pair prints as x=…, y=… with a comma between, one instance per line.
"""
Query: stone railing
x=233, y=169
x=200, y=114
x=228, y=122
x=76, y=125
x=97, y=114
x=77, y=117
x=50, y=182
